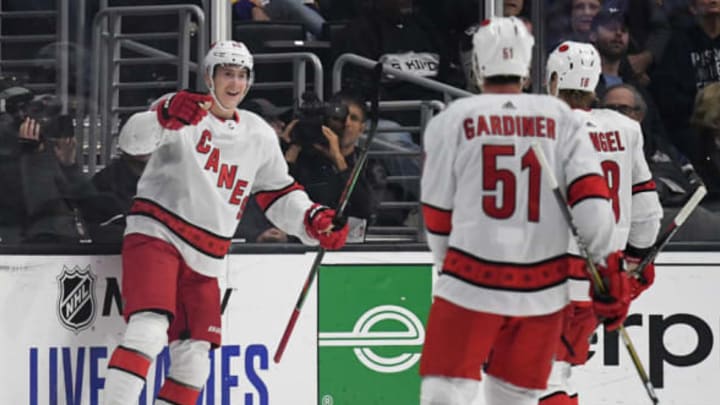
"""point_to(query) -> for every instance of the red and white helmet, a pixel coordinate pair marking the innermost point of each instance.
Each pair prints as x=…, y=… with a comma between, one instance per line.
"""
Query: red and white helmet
x=502, y=46
x=577, y=66
x=232, y=53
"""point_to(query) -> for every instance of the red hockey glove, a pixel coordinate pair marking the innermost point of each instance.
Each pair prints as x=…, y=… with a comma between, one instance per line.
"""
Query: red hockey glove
x=183, y=108
x=579, y=325
x=642, y=281
x=319, y=224
x=612, y=306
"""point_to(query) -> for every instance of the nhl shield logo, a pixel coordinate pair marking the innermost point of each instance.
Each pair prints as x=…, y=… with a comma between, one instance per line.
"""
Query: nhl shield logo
x=76, y=298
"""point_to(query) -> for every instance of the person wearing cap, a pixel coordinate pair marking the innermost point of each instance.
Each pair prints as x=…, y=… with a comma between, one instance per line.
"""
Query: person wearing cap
x=610, y=36
x=649, y=29
x=136, y=142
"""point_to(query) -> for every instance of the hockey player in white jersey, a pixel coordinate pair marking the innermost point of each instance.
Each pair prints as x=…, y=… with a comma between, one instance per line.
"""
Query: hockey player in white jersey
x=189, y=201
x=497, y=233
x=573, y=71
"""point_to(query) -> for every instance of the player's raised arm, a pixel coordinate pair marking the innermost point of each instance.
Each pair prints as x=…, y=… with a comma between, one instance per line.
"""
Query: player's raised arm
x=183, y=108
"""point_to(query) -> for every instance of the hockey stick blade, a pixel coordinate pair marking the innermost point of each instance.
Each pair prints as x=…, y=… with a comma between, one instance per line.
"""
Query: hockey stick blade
x=598, y=281
x=344, y=198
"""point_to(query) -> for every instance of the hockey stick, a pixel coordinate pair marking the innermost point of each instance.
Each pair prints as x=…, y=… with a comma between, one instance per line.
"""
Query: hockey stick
x=344, y=198
x=598, y=281
x=663, y=240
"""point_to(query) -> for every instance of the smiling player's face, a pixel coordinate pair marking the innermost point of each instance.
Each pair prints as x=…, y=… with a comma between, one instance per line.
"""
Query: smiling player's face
x=230, y=85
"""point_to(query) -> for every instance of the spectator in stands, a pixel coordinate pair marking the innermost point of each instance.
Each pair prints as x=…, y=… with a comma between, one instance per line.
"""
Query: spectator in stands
x=610, y=36
x=581, y=16
x=649, y=31
x=705, y=120
x=324, y=166
x=249, y=10
x=12, y=205
x=303, y=11
x=674, y=176
x=61, y=204
x=571, y=20
x=119, y=178
x=690, y=62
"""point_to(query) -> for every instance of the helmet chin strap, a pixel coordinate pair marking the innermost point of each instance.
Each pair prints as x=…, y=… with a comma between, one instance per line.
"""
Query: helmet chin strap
x=216, y=99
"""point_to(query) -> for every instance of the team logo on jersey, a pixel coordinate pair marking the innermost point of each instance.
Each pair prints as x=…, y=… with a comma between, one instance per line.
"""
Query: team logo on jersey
x=76, y=298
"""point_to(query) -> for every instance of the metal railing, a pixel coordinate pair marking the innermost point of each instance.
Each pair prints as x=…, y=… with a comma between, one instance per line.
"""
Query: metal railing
x=449, y=92
x=108, y=42
x=382, y=149
x=427, y=109
x=299, y=60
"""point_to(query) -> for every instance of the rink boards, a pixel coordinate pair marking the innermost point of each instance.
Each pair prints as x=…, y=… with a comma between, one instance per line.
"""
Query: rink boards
x=357, y=340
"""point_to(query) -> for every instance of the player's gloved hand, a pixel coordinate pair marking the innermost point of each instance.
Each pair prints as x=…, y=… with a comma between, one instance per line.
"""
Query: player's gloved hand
x=639, y=282
x=183, y=108
x=612, y=306
x=319, y=224
x=579, y=325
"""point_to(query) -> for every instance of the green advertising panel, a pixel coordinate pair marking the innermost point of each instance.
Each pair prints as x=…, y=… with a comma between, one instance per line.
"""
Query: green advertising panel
x=371, y=330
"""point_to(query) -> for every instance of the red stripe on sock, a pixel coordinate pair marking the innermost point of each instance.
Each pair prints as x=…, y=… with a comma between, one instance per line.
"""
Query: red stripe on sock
x=176, y=393
x=130, y=361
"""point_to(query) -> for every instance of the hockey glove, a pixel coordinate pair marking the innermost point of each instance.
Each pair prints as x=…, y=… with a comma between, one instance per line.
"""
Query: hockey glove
x=183, y=108
x=319, y=225
x=579, y=325
x=639, y=282
x=612, y=306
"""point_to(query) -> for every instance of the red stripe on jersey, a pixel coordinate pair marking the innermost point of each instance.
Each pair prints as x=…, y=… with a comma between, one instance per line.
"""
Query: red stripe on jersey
x=589, y=186
x=577, y=268
x=178, y=393
x=266, y=198
x=644, y=186
x=508, y=276
x=130, y=361
x=437, y=220
x=201, y=239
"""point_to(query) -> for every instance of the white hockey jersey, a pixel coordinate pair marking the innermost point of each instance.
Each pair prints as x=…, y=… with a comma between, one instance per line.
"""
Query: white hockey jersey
x=618, y=141
x=494, y=225
x=198, y=181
